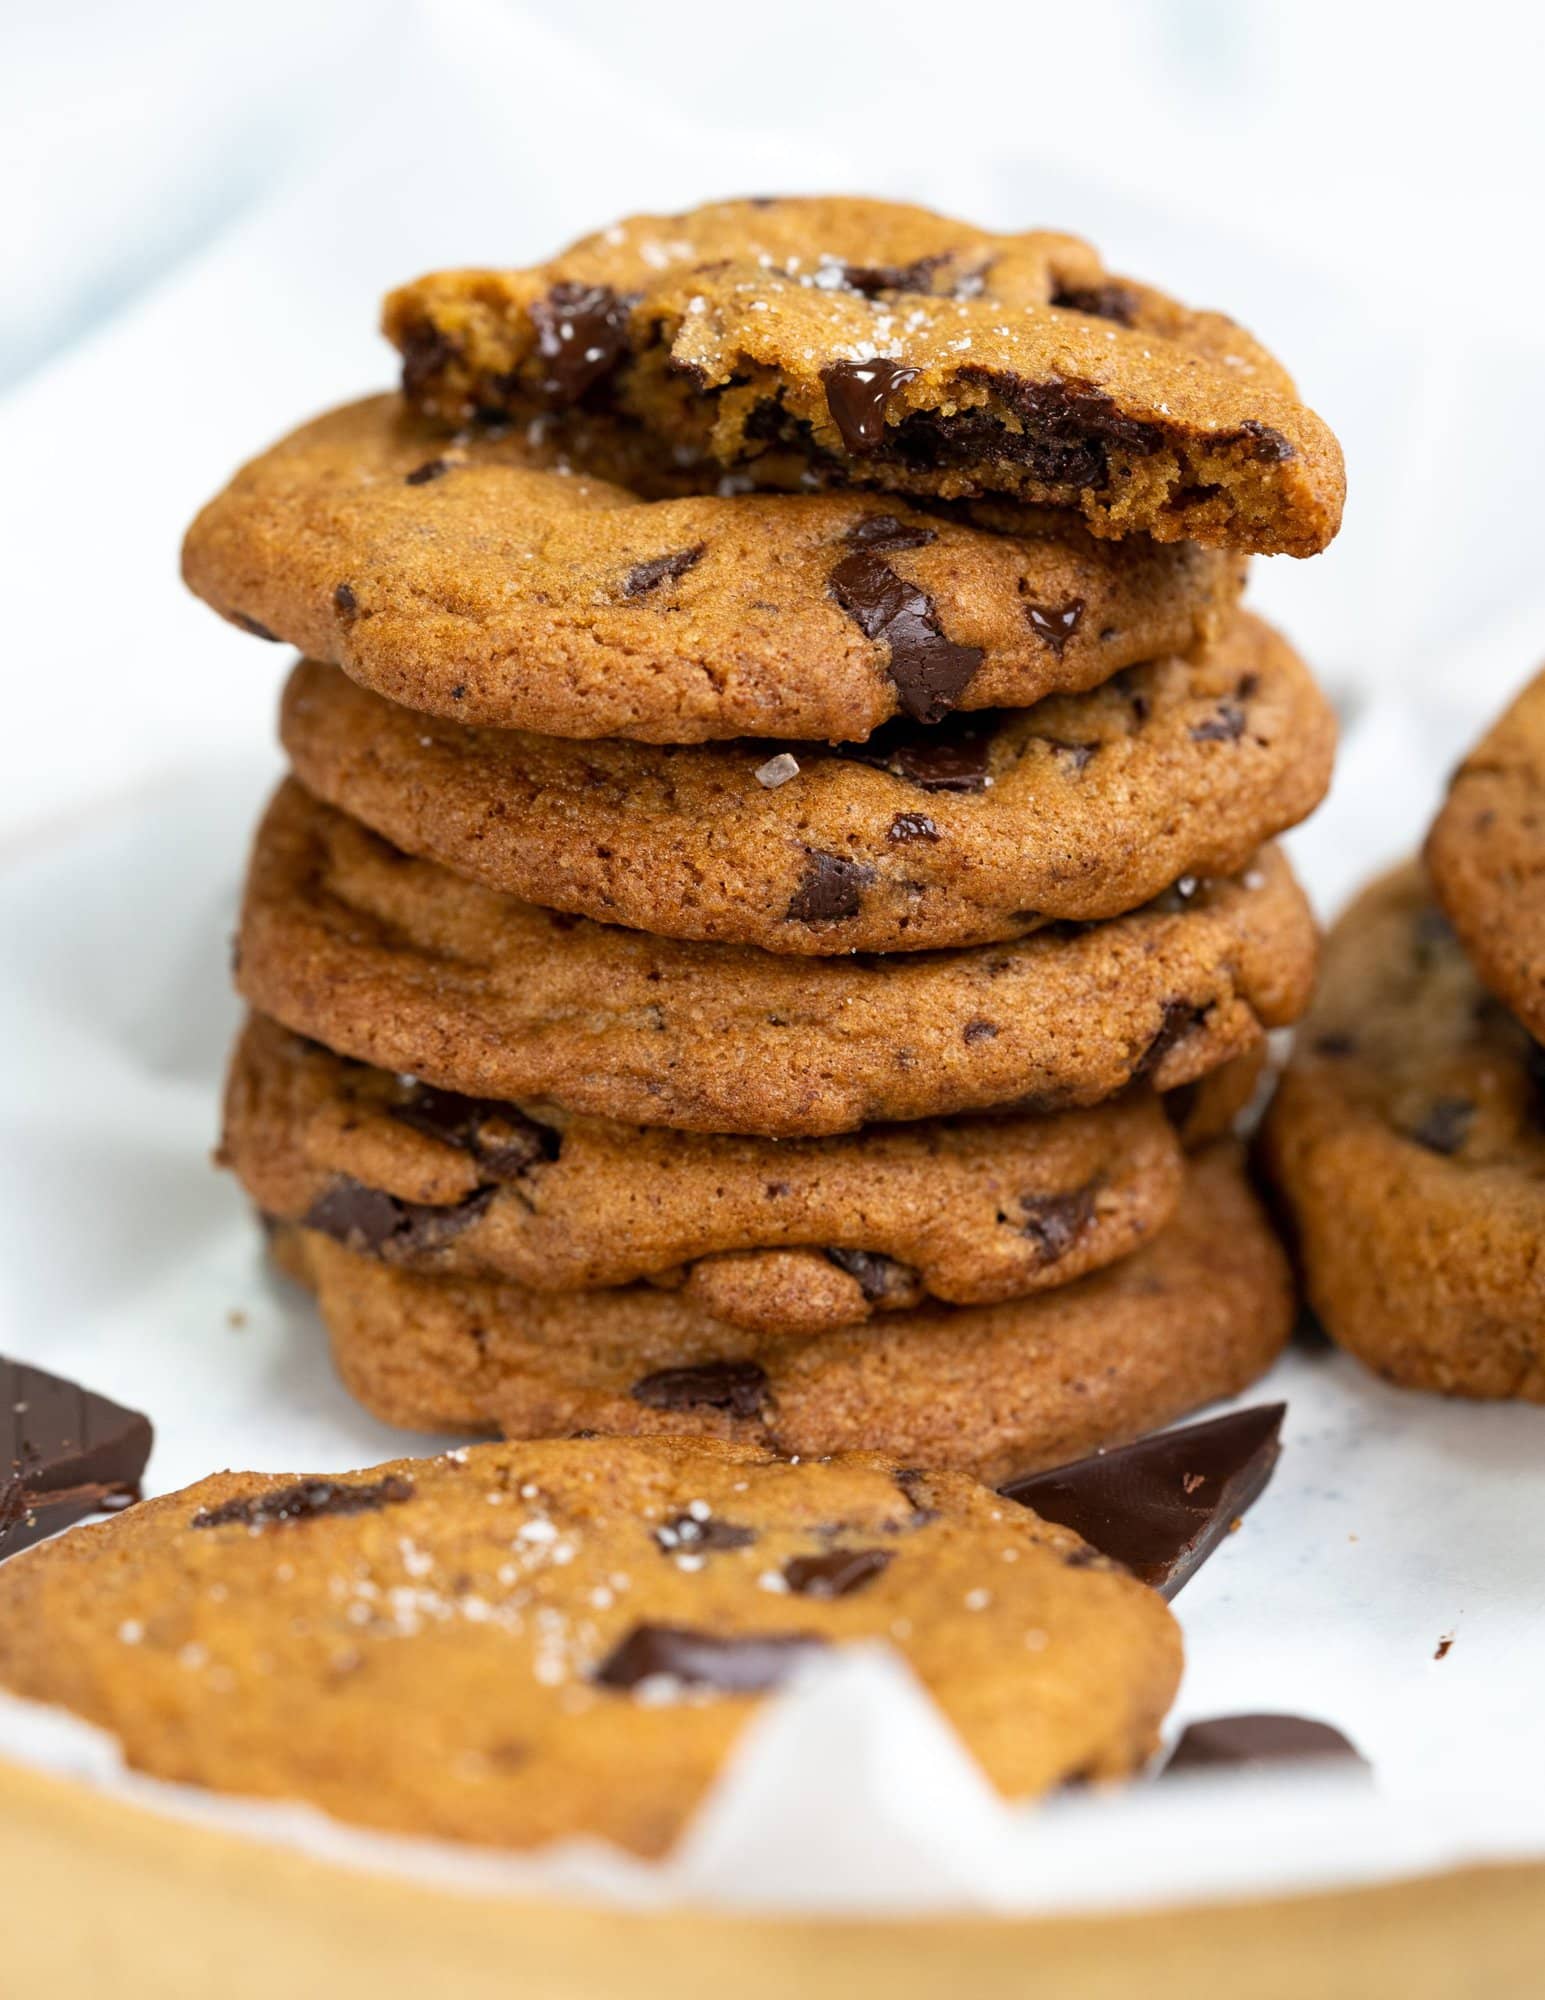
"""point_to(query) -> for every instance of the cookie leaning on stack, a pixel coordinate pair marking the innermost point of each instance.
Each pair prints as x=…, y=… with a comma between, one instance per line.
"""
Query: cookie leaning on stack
x=775, y=909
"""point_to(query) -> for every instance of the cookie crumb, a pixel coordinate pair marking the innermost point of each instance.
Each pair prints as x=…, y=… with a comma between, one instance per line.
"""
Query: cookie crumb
x=1443, y=1646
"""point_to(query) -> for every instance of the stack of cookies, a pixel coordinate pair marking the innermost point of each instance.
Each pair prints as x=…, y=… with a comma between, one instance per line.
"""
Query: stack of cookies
x=774, y=913
x=1408, y=1135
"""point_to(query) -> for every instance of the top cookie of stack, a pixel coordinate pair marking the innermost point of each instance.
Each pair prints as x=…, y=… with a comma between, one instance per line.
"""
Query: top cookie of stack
x=763, y=586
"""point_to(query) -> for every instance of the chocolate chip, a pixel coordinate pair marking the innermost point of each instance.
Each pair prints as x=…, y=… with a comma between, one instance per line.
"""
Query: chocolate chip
x=858, y=394
x=1067, y=429
x=877, y=1276
x=65, y=1452
x=830, y=890
x=1233, y=1740
x=751, y=1664
x=504, y=1142
x=373, y=1223
x=978, y=1031
x=912, y=826
x=306, y=1500
x=955, y=756
x=737, y=1387
x=1335, y=1045
x=581, y=335
x=838, y=1574
x=1055, y=623
x=426, y=353
x=884, y=531
x=645, y=576
x=1177, y=1019
x=251, y=625
x=1227, y=725
x=1264, y=444
x=930, y=671
x=1446, y=1125
x=345, y=603
x=1163, y=1504
x=872, y=279
x=684, y=1534
x=432, y=468
x=1107, y=301
x=1054, y=1222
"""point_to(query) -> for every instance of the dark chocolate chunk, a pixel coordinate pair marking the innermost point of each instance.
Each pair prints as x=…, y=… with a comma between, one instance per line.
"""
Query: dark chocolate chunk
x=1107, y=301
x=930, y=671
x=432, y=468
x=1232, y=1740
x=65, y=1452
x=1054, y=1222
x=912, y=826
x=1265, y=444
x=306, y=1500
x=953, y=756
x=830, y=889
x=838, y=1574
x=1163, y=1504
x=581, y=335
x=1055, y=623
x=375, y=1224
x=504, y=1142
x=872, y=279
x=251, y=625
x=644, y=576
x=1066, y=429
x=877, y=1276
x=884, y=531
x=750, y=1664
x=978, y=1030
x=737, y=1387
x=425, y=352
x=345, y=603
x=685, y=1535
x=1177, y=1020
x=1227, y=725
x=858, y=394
x=1445, y=1125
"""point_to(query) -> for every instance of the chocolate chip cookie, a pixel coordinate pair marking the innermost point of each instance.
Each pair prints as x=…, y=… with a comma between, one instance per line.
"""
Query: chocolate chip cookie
x=1486, y=857
x=512, y=1644
x=865, y=342
x=979, y=829
x=398, y=963
x=1407, y=1140
x=776, y=1235
x=493, y=581
x=1199, y=1312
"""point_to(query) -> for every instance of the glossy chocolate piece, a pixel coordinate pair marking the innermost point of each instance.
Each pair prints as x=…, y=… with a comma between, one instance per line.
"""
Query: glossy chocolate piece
x=65, y=1452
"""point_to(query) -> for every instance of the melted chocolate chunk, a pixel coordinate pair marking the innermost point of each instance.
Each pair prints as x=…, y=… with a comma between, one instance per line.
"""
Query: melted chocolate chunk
x=685, y=1535
x=877, y=1276
x=911, y=826
x=1231, y=1740
x=830, y=890
x=1446, y=1125
x=858, y=394
x=1268, y=446
x=251, y=625
x=838, y=1574
x=345, y=603
x=1054, y=1222
x=432, y=468
x=931, y=672
x=375, y=1224
x=65, y=1452
x=751, y=1664
x=425, y=353
x=1226, y=726
x=1066, y=431
x=884, y=531
x=1107, y=301
x=955, y=756
x=645, y=576
x=872, y=279
x=1163, y=1504
x=306, y=1500
x=1055, y=623
x=1178, y=1019
x=581, y=335
x=504, y=1142
x=737, y=1387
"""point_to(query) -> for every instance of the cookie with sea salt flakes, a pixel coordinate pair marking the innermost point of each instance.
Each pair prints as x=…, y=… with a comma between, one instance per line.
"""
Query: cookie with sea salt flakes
x=512, y=1644
x=1486, y=856
x=403, y=965
x=785, y=1236
x=496, y=580
x=1408, y=1143
x=866, y=342
x=1198, y=1313
x=981, y=828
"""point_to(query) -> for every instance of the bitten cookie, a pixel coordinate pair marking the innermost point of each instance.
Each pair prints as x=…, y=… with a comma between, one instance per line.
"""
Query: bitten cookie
x=495, y=581
x=515, y=1643
x=1486, y=857
x=1406, y=1139
x=401, y=964
x=868, y=342
x=979, y=829
x=1198, y=1313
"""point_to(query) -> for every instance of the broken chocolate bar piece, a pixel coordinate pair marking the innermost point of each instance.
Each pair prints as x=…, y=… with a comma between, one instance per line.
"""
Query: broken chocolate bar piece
x=1162, y=1505
x=64, y=1453
x=1228, y=1741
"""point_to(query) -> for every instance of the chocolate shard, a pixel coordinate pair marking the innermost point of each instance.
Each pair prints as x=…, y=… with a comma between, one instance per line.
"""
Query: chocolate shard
x=858, y=393
x=837, y=1574
x=1229, y=1741
x=65, y=1452
x=504, y=1142
x=930, y=672
x=1108, y=301
x=885, y=531
x=737, y=1387
x=306, y=1500
x=646, y=576
x=751, y=1663
x=375, y=1224
x=1162, y=1505
x=686, y=1535
x=830, y=890
x=955, y=756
